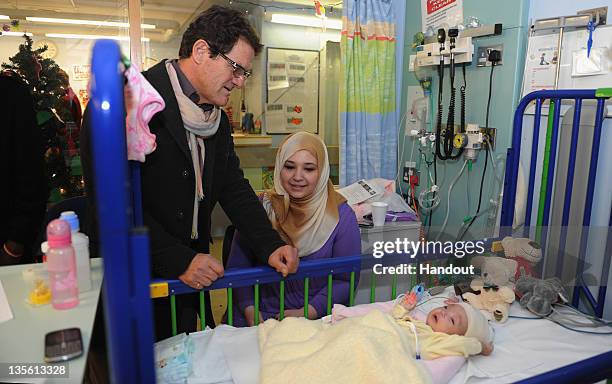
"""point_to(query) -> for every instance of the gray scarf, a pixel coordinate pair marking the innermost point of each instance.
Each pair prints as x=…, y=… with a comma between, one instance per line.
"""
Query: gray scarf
x=199, y=125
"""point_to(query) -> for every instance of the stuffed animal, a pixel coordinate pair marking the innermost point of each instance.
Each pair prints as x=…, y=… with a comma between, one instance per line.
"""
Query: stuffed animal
x=539, y=295
x=525, y=252
x=495, y=299
x=495, y=270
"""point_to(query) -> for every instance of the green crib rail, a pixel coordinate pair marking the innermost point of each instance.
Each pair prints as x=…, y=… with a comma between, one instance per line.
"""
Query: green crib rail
x=160, y=289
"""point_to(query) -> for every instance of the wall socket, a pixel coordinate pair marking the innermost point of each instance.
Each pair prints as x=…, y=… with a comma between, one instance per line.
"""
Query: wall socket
x=483, y=54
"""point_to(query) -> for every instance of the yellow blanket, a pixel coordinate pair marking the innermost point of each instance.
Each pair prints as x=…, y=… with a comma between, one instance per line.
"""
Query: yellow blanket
x=368, y=349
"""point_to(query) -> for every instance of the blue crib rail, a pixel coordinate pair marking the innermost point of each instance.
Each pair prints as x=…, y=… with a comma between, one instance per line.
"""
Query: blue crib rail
x=512, y=168
x=247, y=277
x=124, y=246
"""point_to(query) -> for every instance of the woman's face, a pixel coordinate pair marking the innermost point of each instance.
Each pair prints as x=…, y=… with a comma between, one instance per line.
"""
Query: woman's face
x=300, y=174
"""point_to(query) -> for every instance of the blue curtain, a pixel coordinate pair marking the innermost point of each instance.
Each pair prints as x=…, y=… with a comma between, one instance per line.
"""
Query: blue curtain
x=372, y=55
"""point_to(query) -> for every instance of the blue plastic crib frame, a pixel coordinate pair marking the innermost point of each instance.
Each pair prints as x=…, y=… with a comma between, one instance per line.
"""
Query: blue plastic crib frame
x=124, y=241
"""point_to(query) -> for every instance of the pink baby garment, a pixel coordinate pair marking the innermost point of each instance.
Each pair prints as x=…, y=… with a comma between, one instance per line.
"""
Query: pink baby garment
x=144, y=102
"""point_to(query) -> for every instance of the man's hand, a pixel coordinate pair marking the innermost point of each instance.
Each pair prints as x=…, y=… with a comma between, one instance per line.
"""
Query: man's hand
x=285, y=260
x=203, y=270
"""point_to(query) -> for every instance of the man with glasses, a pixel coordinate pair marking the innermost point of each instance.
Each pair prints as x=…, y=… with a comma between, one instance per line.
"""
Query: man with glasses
x=195, y=166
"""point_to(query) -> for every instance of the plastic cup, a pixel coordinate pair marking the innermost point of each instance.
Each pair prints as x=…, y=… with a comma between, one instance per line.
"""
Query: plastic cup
x=379, y=211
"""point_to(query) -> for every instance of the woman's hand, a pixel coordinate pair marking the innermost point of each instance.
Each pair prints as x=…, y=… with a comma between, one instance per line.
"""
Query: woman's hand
x=249, y=314
x=312, y=313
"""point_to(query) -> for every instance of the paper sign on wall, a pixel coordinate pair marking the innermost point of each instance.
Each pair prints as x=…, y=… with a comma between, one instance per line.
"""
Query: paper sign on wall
x=541, y=63
x=292, y=97
x=584, y=64
x=434, y=13
x=81, y=72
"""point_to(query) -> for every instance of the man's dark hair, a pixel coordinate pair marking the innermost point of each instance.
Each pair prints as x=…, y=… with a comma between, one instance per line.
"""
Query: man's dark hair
x=220, y=27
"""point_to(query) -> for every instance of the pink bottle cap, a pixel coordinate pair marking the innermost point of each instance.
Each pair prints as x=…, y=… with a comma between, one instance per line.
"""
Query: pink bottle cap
x=58, y=234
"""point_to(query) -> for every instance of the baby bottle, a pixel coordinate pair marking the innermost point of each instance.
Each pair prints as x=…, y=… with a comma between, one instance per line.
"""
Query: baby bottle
x=61, y=264
x=80, y=243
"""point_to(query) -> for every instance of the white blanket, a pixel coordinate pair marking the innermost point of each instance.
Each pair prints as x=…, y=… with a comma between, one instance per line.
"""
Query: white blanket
x=225, y=355
x=525, y=348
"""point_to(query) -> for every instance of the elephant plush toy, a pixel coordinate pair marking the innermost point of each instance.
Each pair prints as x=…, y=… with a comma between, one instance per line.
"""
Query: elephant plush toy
x=538, y=295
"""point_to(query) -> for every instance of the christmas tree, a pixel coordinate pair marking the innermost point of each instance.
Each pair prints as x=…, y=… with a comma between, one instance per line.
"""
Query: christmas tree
x=48, y=84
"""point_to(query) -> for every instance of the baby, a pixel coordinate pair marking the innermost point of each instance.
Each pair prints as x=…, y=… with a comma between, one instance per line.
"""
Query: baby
x=456, y=328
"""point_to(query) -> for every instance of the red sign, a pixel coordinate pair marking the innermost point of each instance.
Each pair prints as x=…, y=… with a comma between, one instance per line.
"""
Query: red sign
x=435, y=5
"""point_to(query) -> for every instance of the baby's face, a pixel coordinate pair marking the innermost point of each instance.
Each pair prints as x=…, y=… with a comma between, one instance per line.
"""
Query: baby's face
x=450, y=319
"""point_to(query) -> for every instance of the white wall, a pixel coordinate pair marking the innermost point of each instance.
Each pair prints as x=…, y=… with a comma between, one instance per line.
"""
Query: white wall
x=297, y=37
x=603, y=188
x=154, y=52
x=541, y=9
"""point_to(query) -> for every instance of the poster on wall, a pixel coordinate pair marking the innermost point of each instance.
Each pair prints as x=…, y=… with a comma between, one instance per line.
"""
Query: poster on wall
x=277, y=75
x=541, y=63
x=578, y=69
x=81, y=72
x=434, y=13
x=292, y=86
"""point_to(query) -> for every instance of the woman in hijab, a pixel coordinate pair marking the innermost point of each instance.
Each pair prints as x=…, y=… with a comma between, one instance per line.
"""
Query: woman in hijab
x=310, y=215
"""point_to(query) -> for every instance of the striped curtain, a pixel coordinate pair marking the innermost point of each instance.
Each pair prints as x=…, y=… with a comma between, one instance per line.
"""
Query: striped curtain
x=368, y=94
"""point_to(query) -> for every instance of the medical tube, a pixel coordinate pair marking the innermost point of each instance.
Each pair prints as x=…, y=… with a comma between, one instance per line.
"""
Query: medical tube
x=450, y=190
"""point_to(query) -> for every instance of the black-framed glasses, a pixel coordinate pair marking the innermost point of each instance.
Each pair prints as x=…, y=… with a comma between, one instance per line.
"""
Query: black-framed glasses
x=238, y=70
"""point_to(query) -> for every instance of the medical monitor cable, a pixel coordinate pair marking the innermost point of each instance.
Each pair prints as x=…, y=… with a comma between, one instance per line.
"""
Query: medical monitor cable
x=450, y=118
x=450, y=136
x=449, y=133
x=450, y=191
x=441, y=40
x=577, y=313
x=437, y=154
x=484, y=171
x=558, y=322
x=462, y=93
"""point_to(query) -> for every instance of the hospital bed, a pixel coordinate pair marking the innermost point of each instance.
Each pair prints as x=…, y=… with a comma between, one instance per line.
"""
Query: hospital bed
x=124, y=245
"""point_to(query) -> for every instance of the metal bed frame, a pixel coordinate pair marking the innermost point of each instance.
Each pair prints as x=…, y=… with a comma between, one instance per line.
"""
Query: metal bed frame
x=128, y=287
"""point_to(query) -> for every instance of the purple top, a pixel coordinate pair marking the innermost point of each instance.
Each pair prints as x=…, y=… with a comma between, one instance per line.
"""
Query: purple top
x=345, y=240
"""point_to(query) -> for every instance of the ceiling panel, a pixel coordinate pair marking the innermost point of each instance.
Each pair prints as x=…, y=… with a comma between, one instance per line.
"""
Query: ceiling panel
x=169, y=16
